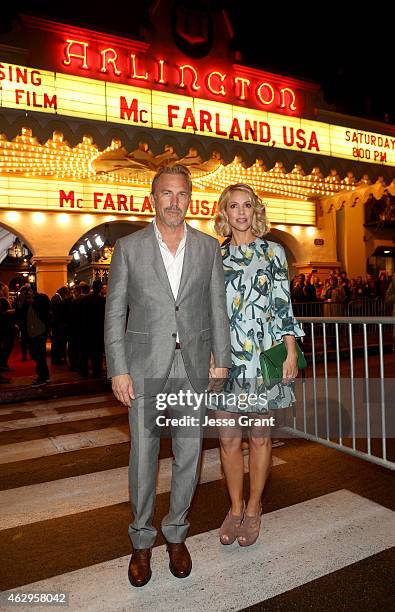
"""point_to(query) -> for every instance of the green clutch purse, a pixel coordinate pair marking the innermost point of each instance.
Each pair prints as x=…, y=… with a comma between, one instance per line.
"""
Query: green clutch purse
x=272, y=363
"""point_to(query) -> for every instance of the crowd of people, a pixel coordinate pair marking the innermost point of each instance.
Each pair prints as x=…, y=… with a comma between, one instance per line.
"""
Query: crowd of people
x=339, y=288
x=72, y=320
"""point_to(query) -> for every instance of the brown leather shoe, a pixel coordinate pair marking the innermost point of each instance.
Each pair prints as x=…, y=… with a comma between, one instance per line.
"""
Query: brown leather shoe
x=180, y=560
x=139, y=572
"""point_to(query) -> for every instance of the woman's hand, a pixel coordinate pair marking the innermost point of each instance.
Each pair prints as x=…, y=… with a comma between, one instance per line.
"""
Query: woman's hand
x=290, y=365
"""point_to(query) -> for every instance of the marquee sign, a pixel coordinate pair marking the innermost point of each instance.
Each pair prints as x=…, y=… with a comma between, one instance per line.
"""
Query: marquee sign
x=74, y=197
x=68, y=95
x=129, y=68
x=163, y=66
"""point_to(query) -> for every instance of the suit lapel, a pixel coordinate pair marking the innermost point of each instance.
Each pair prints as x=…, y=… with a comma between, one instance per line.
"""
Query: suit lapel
x=189, y=259
x=156, y=261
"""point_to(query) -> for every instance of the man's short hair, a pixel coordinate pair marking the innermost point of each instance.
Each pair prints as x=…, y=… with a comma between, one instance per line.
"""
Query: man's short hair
x=84, y=287
x=97, y=286
x=63, y=291
x=177, y=169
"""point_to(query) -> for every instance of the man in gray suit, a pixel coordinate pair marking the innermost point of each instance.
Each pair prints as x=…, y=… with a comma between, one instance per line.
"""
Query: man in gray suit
x=171, y=277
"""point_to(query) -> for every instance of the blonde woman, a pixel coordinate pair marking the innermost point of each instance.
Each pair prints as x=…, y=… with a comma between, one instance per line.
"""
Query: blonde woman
x=260, y=315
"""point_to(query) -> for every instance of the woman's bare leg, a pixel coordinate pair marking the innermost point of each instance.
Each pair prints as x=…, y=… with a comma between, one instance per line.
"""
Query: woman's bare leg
x=232, y=463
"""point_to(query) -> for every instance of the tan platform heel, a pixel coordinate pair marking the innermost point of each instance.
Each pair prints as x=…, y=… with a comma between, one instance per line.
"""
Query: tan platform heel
x=228, y=531
x=249, y=529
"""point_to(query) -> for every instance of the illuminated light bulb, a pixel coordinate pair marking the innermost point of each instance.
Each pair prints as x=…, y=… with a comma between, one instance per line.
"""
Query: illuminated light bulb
x=63, y=219
x=12, y=216
x=110, y=218
x=281, y=227
x=86, y=219
x=311, y=230
x=38, y=217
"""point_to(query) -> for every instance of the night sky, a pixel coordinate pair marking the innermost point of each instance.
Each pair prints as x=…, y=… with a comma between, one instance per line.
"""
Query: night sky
x=351, y=55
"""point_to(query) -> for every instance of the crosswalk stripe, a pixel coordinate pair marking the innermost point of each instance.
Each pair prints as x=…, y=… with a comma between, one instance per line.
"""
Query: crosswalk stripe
x=49, y=416
x=48, y=500
x=297, y=544
x=53, y=445
x=31, y=449
x=76, y=401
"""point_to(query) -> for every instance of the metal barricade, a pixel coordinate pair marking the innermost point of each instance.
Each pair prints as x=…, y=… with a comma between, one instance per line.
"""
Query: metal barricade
x=346, y=395
x=362, y=307
x=366, y=307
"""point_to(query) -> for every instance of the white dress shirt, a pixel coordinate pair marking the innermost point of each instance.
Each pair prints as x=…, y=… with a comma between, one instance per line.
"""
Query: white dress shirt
x=173, y=263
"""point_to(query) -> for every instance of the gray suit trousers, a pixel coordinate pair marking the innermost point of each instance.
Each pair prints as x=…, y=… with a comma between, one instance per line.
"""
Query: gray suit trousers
x=143, y=462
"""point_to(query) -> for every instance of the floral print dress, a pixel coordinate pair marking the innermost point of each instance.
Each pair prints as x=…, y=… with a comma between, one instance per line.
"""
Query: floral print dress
x=260, y=314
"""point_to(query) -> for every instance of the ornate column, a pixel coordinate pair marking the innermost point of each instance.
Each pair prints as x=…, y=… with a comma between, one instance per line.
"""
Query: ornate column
x=51, y=273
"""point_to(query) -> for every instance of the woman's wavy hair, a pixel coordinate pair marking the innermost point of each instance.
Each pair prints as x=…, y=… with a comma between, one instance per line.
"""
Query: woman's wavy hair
x=260, y=224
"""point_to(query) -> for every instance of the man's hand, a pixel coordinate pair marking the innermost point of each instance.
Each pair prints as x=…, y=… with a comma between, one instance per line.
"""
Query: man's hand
x=217, y=378
x=122, y=387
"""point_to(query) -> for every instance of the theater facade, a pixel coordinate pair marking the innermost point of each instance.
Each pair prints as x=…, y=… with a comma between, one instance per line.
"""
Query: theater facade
x=87, y=117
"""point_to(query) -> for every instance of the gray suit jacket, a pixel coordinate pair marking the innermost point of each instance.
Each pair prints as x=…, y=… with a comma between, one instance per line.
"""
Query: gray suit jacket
x=144, y=345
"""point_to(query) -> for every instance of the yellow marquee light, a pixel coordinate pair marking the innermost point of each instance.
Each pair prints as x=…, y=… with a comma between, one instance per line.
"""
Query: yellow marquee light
x=281, y=227
x=310, y=231
x=110, y=218
x=12, y=216
x=296, y=229
x=38, y=218
x=63, y=219
x=87, y=220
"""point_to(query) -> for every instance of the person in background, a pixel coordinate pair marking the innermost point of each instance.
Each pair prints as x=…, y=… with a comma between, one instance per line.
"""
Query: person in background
x=309, y=289
x=360, y=288
x=293, y=280
x=298, y=294
x=345, y=284
x=92, y=331
x=7, y=333
x=353, y=288
x=372, y=289
x=333, y=297
x=36, y=315
x=75, y=326
x=21, y=323
x=318, y=286
x=59, y=320
x=4, y=291
x=383, y=284
x=311, y=298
